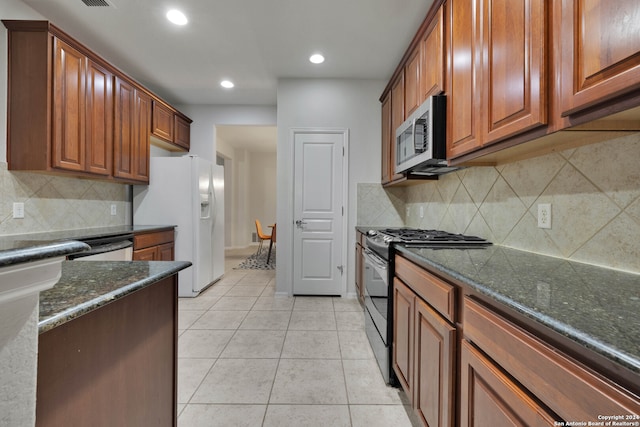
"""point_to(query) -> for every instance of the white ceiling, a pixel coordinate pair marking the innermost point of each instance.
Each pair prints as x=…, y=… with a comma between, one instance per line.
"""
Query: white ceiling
x=251, y=42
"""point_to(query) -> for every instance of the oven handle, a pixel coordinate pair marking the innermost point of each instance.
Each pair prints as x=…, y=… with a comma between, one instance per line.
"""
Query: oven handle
x=375, y=259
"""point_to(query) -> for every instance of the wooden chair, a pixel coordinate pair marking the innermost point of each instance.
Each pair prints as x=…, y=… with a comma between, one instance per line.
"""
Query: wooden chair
x=261, y=235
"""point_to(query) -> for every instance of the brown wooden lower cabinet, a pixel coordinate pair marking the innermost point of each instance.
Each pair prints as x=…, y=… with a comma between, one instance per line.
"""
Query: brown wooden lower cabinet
x=491, y=398
x=424, y=357
x=571, y=390
x=154, y=246
x=402, y=351
x=114, y=366
x=503, y=375
x=435, y=363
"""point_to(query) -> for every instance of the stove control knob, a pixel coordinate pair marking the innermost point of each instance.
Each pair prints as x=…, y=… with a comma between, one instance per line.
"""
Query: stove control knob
x=372, y=233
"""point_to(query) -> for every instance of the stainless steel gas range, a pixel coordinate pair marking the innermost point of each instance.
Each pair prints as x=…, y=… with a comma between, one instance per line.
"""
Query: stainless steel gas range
x=378, y=280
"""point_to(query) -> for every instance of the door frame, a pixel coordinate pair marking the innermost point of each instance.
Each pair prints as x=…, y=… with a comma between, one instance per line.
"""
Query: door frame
x=345, y=194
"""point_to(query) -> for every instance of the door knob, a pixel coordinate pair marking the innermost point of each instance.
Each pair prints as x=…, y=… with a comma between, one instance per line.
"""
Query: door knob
x=300, y=223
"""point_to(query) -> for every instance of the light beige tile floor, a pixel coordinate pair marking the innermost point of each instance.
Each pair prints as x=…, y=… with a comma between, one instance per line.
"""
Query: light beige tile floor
x=249, y=358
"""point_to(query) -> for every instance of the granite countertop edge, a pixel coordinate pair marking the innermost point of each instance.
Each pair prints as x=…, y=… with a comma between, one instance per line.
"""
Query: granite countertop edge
x=17, y=248
x=41, y=251
x=627, y=360
x=59, y=318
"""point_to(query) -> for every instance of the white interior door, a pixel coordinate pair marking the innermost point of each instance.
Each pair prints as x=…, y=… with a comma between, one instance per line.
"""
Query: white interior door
x=318, y=213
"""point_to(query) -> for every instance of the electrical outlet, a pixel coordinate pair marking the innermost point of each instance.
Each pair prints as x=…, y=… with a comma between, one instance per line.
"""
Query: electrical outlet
x=18, y=210
x=544, y=215
x=408, y=212
x=421, y=211
x=114, y=210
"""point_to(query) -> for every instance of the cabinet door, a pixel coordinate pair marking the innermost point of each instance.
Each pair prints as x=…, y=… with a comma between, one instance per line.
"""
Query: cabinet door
x=142, y=134
x=182, y=132
x=600, y=44
x=387, y=139
x=435, y=364
x=513, y=60
x=432, y=62
x=490, y=398
x=412, y=83
x=165, y=252
x=463, y=91
x=146, y=254
x=99, y=119
x=132, y=127
x=69, y=88
x=163, y=124
x=397, y=117
x=402, y=354
x=124, y=130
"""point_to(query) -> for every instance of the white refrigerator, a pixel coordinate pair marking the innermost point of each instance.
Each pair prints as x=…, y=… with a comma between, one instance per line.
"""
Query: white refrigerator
x=187, y=192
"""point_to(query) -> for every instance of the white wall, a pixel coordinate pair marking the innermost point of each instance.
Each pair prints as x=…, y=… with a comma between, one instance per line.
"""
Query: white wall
x=262, y=189
x=206, y=117
x=351, y=104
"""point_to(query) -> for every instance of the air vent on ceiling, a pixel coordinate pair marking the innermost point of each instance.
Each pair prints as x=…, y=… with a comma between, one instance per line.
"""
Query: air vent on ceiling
x=95, y=2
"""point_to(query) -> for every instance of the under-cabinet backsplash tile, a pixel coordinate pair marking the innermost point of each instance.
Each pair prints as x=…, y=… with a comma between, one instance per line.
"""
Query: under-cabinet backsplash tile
x=594, y=192
x=379, y=208
x=59, y=203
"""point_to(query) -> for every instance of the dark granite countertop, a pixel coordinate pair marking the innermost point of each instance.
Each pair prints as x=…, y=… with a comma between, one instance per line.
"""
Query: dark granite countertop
x=39, y=251
x=19, y=248
x=87, y=285
x=595, y=307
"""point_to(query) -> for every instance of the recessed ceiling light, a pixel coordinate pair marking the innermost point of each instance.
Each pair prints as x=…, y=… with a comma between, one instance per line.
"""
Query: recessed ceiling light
x=316, y=58
x=227, y=84
x=177, y=17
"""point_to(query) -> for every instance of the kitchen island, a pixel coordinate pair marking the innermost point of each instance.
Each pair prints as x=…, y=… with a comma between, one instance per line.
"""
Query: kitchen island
x=108, y=344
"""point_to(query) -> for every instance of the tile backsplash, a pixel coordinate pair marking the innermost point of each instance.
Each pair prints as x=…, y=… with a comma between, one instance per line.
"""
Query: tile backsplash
x=54, y=203
x=594, y=192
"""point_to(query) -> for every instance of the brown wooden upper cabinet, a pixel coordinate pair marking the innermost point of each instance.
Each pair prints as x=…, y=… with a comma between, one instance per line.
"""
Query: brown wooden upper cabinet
x=387, y=139
x=600, y=44
x=60, y=117
x=133, y=127
x=515, y=71
x=182, y=136
x=397, y=117
x=171, y=128
x=163, y=124
x=497, y=72
x=432, y=63
x=69, y=111
x=421, y=76
x=412, y=98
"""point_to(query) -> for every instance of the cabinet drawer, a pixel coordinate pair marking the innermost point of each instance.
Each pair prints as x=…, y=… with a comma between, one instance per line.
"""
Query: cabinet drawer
x=569, y=389
x=146, y=240
x=436, y=292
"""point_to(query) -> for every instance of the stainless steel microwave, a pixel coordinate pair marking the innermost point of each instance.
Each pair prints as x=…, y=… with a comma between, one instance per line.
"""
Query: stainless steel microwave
x=420, y=141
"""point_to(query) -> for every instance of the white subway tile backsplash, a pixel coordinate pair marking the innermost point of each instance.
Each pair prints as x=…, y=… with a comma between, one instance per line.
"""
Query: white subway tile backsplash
x=594, y=192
